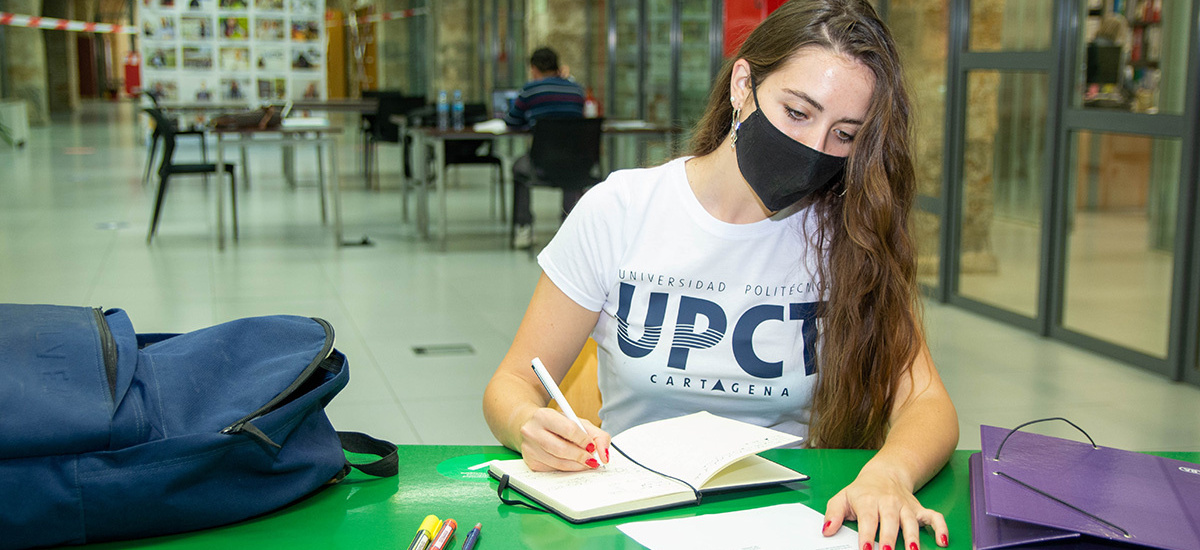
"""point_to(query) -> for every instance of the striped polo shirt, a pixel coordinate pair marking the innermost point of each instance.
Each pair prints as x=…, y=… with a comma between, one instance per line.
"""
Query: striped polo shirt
x=552, y=97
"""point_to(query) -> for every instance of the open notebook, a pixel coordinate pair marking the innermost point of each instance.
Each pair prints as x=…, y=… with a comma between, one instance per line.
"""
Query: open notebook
x=701, y=450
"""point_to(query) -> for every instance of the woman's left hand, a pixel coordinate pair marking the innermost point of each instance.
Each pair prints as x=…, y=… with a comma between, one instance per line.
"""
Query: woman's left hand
x=883, y=508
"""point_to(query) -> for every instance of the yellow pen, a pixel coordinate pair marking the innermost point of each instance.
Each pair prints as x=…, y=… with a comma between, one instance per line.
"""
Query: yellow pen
x=425, y=533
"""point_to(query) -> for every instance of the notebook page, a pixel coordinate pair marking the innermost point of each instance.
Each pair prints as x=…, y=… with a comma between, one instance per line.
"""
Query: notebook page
x=618, y=482
x=697, y=446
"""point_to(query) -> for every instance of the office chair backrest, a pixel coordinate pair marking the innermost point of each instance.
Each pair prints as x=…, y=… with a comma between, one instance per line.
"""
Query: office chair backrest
x=165, y=129
x=153, y=98
x=565, y=150
x=392, y=103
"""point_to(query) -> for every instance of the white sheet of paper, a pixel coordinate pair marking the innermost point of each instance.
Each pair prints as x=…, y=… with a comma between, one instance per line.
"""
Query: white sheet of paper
x=784, y=527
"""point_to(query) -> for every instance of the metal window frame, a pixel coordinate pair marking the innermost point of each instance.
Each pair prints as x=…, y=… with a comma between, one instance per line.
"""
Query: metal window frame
x=1188, y=367
x=1063, y=119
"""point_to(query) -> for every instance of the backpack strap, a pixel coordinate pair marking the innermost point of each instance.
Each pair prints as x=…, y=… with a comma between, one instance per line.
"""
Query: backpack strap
x=389, y=461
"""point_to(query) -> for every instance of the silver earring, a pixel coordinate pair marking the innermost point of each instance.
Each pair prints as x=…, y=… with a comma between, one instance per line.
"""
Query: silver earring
x=737, y=111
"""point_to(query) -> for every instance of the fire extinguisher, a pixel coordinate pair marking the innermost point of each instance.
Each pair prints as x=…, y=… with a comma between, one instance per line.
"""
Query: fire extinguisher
x=133, y=73
x=591, y=107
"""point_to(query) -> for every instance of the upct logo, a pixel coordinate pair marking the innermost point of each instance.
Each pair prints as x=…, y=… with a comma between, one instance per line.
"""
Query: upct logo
x=1189, y=470
x=685, y=338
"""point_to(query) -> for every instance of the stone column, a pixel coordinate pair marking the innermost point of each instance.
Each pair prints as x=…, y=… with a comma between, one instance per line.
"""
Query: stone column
x=3, y=60
x=921, y=30
x=26, y=59
x=62, y=60
x=562, y=26
x=400, y=49
x=455, y=65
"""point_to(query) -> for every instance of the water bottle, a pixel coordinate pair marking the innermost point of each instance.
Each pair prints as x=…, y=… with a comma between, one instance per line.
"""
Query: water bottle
x=443, y=111
x=457, y=111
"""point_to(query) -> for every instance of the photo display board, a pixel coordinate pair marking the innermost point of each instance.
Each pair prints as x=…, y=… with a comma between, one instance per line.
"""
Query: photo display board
x=255, y=51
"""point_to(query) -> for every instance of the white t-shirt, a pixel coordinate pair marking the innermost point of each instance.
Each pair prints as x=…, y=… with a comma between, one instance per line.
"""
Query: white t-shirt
x=695, y=313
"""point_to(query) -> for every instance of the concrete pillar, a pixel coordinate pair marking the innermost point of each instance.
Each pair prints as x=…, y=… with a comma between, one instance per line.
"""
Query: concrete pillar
x=401, y=49
x=3, y=61
x=454, y=64
x=85, y=10
x=560, y=25
x=25, y=55
x=921, y=30
x=62, y=60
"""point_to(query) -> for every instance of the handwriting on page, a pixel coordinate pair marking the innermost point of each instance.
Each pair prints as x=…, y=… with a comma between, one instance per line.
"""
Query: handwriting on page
x=618, y=482
x=698, y=445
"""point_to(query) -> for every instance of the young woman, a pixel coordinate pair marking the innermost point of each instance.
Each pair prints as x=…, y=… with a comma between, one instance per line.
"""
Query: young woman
x=769, y=278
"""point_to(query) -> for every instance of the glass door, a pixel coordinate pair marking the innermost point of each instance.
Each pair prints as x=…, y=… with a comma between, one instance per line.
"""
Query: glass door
x=1126, y=137
x=1002, y=121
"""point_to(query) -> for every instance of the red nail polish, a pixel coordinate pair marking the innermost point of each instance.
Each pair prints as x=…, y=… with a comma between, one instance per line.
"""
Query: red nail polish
x=913, y=546
x=591, y=462
x=606, y=459
x=827, y=523
x=887, y=547
x=591, y=448
x=867, y=546
x=945, y=540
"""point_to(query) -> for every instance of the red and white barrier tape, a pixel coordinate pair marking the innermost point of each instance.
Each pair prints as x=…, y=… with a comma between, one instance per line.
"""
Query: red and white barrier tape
x=51, y=23
x=377, y=18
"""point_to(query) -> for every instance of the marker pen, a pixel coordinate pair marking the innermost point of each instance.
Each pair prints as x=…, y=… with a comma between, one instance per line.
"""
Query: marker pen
x=445, y=533
x=424, y=533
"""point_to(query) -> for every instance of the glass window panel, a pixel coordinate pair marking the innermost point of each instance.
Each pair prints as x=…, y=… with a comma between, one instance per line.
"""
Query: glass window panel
x=1000, y=232
x=695, y=78
x=1011, y=25
x=1133, y=56
x=1120, y=246
x=624, y=102
x=658, y=62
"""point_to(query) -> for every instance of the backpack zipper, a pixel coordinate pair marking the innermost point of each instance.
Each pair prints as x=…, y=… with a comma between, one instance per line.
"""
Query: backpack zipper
x=326, y=350
x=108, y=347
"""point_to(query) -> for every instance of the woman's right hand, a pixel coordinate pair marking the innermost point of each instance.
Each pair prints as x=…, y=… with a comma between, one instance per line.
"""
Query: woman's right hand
x=551, y=442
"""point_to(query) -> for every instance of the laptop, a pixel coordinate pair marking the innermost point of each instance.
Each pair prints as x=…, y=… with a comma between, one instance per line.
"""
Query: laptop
x=502, y=101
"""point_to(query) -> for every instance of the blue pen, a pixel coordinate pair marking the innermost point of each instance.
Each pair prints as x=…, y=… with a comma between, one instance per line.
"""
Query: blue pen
x=473, y=536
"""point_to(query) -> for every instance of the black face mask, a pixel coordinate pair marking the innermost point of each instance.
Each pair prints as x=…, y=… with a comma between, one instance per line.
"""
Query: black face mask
x=779, y=169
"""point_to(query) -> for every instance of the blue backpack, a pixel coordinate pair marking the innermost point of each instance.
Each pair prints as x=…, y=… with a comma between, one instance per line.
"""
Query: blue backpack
x=106, y=434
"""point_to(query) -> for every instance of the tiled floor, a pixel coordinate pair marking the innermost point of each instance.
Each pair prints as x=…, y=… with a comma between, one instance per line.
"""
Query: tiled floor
x=73, y=216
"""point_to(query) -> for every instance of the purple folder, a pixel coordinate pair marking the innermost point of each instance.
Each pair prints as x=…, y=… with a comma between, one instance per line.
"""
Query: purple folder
x=1050, y=492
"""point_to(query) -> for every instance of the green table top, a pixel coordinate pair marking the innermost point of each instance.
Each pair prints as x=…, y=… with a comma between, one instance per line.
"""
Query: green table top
x=362, y=512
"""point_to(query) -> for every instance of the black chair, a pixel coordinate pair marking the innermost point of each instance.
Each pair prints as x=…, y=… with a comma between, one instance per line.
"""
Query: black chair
x=379, y=127
x=477, y=152
x=168, y=168
x=157, y=136
x=462, y=151
x=565, y=154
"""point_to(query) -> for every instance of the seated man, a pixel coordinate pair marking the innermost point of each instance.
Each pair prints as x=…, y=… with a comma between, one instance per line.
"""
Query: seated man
x=548, y=94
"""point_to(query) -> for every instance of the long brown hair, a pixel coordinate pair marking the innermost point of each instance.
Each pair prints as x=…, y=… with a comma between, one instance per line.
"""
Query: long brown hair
x=870, y=321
